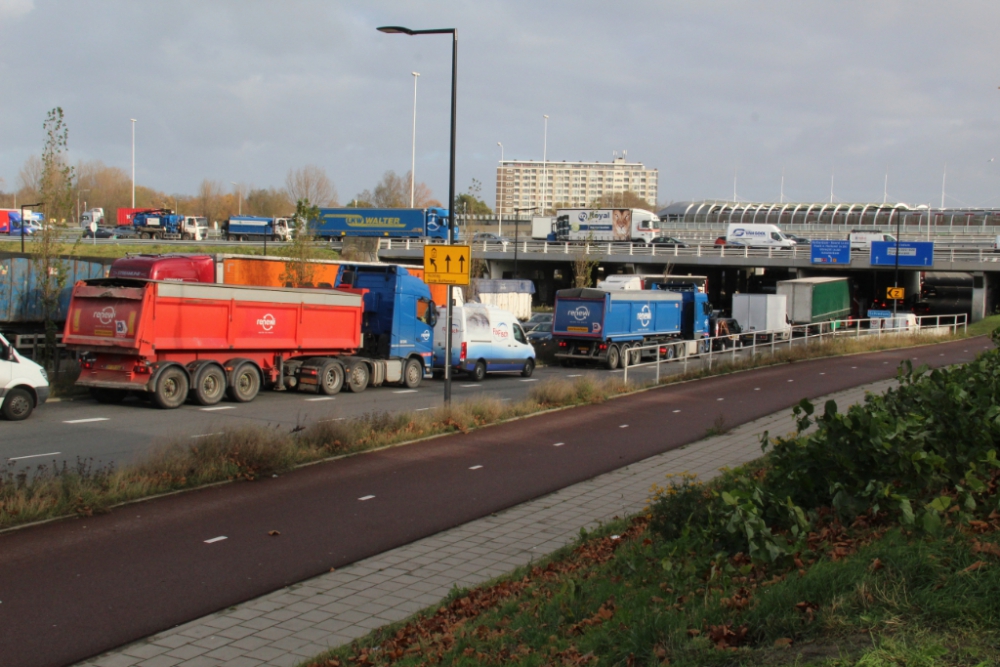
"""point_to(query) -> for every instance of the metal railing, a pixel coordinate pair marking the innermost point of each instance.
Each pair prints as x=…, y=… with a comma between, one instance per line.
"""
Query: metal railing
x=801, y=334
x=951, y=255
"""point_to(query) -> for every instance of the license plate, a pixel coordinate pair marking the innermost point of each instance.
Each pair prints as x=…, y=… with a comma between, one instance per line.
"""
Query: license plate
x=584, y=350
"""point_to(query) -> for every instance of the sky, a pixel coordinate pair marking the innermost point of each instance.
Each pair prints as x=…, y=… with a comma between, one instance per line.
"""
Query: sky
x=244, y=90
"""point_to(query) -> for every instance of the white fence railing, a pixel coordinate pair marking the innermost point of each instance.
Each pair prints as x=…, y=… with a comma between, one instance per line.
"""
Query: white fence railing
x=796, y=335
x=524, y=247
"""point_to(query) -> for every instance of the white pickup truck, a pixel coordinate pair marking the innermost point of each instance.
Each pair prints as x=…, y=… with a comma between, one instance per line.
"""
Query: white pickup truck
x=23, y=383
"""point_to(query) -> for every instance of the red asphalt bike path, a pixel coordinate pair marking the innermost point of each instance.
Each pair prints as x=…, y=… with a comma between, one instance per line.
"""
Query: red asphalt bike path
x=73, y=589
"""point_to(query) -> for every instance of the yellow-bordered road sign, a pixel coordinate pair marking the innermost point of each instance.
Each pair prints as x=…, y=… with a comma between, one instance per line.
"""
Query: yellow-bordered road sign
x=895, y=293
x=447, y=264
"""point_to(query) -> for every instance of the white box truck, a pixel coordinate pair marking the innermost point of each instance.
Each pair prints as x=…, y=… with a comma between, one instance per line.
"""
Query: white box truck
x=623, y=225
x=23, y=383
x=762, y=313
x=543, y=228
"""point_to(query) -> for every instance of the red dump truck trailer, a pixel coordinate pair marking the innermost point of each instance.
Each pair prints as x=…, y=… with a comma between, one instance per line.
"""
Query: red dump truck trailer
x=180, y=340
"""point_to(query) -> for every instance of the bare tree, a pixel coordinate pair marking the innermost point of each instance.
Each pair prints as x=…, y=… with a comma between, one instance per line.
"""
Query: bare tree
x=29, y=178
x=210, y=199
x=422, y=196
x=627, y=199
x=312, y=184
x=393, y=191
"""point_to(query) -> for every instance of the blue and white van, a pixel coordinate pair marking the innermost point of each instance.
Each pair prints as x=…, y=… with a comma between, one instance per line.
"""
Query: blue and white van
x=484, y=339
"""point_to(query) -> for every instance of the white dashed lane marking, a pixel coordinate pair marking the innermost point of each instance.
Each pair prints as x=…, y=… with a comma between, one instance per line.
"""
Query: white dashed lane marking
x=676, y=411
x=406, y=391
x=623, y=426
x=216, y=539
x=205, y=435
x=87, y=421
x=580, y=375
x=530, y=380
x=475, y=467
x=559, y=444
x=366, y=497
x=322, y=398
x=219, y=407
x=471, y=385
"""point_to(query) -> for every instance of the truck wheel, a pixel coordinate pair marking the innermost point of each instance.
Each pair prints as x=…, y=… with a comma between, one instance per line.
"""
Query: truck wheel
x=671, y=352
x=703, y=346
x=209, y=385
x=246, y=384
x=18, y=405
x=108, y=396
x=171, y=388
x=478, y=373
x=331, y=378
x=529, y=368
x=614, y=357
x=357, y=379
x=413, y=373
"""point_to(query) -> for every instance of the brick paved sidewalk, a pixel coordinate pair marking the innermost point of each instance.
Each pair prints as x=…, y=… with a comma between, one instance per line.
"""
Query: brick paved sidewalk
x=300, y=621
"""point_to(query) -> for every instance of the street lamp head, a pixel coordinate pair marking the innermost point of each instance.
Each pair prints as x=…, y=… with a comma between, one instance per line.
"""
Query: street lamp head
x=545, y=116
x=415, y=73
x=395, y=29
x=133, y=120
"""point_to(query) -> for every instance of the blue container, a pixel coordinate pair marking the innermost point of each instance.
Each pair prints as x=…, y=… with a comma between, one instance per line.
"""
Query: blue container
x=381, y=222
x=20, y=293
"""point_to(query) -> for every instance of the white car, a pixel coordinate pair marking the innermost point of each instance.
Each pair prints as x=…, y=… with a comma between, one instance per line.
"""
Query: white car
x=23, y=383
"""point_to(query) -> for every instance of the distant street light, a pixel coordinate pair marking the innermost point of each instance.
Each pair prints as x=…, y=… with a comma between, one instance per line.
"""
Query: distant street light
x=500, y=198
x=24, y=206
x=133, y=162
x=545, y=148
x=78, y=193
x=239, y=194
x=392, y=29
x=413, y=152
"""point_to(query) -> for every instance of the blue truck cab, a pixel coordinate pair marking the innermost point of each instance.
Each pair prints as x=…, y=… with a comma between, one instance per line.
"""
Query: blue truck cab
x=399, y=314
x=604, y=325
x=336, y=223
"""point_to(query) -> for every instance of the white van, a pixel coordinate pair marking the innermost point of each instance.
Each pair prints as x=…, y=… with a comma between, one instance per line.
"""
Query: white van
x=23, y=383
x=862, y=238
x=757, y=236
x=484, y=339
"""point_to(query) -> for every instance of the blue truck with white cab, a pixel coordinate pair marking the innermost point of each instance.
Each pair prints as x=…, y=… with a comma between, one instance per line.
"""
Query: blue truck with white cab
x=256, y=228
x=399, y=223
x=594, y=325
x=397, y=324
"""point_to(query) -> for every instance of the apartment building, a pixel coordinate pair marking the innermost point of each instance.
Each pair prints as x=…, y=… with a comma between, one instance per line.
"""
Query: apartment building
x=530, y=183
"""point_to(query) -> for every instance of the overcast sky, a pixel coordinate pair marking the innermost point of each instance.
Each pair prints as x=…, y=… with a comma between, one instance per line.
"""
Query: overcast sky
x=245, y=90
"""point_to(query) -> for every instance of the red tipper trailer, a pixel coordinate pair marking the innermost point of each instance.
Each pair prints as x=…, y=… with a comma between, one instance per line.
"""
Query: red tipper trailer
x=172, y=338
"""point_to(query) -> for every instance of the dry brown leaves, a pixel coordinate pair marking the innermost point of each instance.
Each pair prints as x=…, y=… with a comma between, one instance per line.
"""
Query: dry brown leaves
x=808, y=610
x=434, y=635
x=726, y=637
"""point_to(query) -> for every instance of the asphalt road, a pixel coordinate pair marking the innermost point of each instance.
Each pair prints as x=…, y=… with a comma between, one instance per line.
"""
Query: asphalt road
x=73, y=589
x=122, y=433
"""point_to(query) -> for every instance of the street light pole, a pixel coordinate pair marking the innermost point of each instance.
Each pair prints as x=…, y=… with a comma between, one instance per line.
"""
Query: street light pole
x=895, y=278
x=500, y=200
x=413, y=153
x=24, y=206
x=133, y=162
x=545, y=175
x=451, y=179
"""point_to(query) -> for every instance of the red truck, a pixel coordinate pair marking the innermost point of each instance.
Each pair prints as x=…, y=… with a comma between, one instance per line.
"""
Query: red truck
x=174, y=339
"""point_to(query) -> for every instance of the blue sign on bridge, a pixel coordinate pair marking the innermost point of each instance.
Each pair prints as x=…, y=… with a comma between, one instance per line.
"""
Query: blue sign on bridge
x=823, y=251
x=911, y=253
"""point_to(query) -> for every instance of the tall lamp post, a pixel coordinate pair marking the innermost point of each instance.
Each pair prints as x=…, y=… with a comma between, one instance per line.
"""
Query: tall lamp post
x=392, y=29
x=500, y=200
x=413, y=152
x=24, y=206
x=895, y=277
x=545, y=149
x=133, y=161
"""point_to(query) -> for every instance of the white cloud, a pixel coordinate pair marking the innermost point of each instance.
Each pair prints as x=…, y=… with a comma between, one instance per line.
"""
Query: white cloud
x=15, y=8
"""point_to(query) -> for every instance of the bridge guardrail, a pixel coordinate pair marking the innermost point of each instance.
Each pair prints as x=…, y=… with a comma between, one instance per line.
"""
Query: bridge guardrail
x=801, y=334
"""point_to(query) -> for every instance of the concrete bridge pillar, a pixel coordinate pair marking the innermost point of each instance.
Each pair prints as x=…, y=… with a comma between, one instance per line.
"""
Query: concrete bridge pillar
x=980, y=295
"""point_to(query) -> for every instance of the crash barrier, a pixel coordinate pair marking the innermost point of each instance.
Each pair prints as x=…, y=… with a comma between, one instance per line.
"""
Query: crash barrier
x=770, y=341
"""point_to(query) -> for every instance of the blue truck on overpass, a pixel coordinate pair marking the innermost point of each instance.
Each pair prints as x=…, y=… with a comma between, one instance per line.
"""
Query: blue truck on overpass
x=400, y=223
x=593, y=325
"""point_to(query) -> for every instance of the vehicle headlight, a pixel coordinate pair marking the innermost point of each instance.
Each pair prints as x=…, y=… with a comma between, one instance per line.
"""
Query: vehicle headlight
x=45, y=376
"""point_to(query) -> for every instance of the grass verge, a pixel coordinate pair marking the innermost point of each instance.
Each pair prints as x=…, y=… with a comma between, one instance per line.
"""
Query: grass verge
x=247, y=453
x=872, y=541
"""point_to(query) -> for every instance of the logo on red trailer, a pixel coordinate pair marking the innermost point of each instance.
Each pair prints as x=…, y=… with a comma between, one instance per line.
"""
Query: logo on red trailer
x=105, y=316
x=267, y=322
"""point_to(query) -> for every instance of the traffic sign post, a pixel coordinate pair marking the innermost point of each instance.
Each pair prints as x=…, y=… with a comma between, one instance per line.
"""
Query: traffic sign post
x=447, y=264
